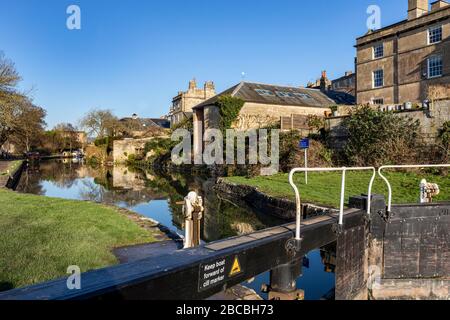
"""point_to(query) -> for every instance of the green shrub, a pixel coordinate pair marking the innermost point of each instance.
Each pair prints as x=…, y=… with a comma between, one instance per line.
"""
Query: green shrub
x=445, y=135
x=376, y=138
x=186, y=123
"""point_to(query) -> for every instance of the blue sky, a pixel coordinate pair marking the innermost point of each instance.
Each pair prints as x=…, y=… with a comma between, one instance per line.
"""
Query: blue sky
x=135, y=55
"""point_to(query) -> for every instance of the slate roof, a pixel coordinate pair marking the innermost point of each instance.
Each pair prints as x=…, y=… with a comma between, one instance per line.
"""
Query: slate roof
x=275, y=95
x=141, y=124
x=341, y=97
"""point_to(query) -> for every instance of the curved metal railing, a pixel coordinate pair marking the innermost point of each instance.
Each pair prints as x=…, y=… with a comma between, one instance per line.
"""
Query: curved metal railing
x=342, y=198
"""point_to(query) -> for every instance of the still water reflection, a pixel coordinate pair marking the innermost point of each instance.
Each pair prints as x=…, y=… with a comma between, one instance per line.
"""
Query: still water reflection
x=156, y=196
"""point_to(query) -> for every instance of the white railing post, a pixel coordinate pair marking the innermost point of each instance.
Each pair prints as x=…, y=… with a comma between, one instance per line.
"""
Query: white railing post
x=341, y=206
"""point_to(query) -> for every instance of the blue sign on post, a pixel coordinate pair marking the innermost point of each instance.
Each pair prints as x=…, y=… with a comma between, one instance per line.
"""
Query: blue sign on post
x=304, y=144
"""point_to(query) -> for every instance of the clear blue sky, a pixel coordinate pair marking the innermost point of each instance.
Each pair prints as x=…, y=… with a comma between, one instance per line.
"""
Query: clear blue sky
x=135, y=55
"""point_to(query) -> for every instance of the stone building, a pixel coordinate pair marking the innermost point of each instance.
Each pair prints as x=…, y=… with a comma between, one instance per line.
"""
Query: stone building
x=264, y=105
x=407, y=62
x=341, y=90
x=346, y=83
x=183, y=103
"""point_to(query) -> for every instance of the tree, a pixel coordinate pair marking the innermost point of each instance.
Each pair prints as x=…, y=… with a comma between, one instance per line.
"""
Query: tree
x=9, y=78
x=376, y=137
x=21, y=122
x=66, y=136
x=10, y=99
x=100, y=123
x=28, y=126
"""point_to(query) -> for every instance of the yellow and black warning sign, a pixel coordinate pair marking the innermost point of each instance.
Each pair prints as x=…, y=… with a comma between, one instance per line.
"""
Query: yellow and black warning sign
x=217, y=272
x=235, y=268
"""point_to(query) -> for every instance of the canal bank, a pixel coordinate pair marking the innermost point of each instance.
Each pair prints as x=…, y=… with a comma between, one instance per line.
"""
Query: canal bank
x=10, y=172
x=42, y=236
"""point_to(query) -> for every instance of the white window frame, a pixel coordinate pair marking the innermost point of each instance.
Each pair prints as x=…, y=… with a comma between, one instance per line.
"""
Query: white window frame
x=429, y=76
x=374, y=50
x=373, y=79
x=432, y=29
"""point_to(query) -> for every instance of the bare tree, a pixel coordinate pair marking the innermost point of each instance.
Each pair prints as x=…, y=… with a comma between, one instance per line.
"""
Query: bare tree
x=99, y=123
x=67, y=136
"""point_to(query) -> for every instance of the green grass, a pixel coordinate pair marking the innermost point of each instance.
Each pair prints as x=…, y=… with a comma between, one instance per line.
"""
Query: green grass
x=40, y=237
x=324, y=188
x=13, y=166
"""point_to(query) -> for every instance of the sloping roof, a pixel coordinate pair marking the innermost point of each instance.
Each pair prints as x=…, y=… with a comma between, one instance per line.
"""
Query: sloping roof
x=163, y=123
x=142, y=124
x=341, y=97
x=275, y=95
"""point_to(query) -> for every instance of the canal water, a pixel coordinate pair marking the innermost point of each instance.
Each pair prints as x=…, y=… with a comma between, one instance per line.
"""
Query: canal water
x=156, y=196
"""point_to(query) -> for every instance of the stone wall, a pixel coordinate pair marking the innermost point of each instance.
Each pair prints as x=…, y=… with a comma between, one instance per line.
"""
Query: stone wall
x=431, y=123
x=123, y=148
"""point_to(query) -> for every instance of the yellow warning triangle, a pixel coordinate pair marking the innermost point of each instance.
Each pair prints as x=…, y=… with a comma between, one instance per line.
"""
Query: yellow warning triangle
x=236, y=268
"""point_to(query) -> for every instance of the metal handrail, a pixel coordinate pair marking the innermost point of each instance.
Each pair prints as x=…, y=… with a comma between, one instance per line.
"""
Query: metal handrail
x=341, y=207
x=421, y=166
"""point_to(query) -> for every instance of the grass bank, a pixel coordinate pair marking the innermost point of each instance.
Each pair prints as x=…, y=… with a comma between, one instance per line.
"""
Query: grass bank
x=40, y=237
x=324, y=188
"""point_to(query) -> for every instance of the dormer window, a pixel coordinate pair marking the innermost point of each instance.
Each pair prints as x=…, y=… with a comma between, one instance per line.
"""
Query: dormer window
x=435, y=35
x=378, y=51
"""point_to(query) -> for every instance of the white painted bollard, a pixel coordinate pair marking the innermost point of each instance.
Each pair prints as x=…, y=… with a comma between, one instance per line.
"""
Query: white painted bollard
x=428, y=191
x=193, y=213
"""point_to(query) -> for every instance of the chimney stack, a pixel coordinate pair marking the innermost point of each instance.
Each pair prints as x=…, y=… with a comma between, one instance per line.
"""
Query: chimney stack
x=417, y=8
x=439, y=5
x=192, y=84
x=323, y=81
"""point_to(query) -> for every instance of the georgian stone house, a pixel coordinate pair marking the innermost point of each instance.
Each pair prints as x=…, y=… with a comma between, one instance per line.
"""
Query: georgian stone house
x=408, y=61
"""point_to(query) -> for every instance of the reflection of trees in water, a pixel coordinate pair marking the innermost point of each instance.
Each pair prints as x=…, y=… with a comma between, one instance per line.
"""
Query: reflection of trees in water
x=62, y=175
x=30, y=182
x=221, y=218
x=92, y=191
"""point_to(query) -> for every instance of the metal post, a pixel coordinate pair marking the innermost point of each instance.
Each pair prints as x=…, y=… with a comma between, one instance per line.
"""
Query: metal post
x=306, y=166
x=341, y=206
x=283, y=282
